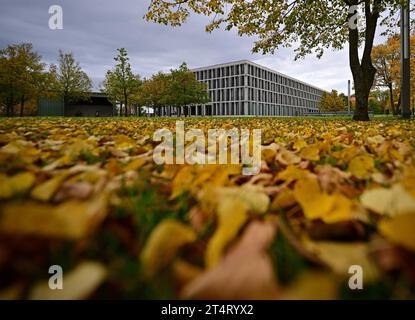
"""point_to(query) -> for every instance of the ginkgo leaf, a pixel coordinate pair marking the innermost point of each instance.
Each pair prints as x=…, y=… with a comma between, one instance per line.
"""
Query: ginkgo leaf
x=361, y=166
x=164, y=242
x=315, y=204
x=17, y=184
x=284, y=199
x=47, y=189
x=400, y=230
x=231, y=215
x=292, y=173
x=135, y=164
x=311, y=153
x=287, y=157
x=70, y=220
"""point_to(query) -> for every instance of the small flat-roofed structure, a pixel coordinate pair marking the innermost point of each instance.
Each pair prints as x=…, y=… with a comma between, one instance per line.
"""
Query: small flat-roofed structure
x=97, y=105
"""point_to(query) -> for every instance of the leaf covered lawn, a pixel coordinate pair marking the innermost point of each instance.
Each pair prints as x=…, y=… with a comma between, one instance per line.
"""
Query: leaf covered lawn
x=85, y=194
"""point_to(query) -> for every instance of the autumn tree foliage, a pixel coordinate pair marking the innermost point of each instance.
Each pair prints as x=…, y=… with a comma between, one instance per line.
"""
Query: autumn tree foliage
x=178, y=89
x=332, y=102
x=120, y=84
x=22, y=76
x=312, y=25
x=70, y=81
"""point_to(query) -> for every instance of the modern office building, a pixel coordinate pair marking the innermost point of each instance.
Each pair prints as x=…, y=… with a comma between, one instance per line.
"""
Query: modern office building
x=244, y=88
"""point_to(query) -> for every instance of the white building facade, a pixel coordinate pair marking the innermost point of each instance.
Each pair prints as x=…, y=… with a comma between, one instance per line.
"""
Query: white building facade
x=244, y=88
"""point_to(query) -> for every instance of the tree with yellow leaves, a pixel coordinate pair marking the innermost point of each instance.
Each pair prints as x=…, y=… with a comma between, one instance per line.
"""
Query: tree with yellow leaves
x=386, y=59
x=332, y=102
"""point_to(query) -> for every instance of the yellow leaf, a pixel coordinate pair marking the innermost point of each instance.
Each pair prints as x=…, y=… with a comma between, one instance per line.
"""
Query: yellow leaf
x=231, y=215
x=18, y=184
x=315, y=204
x=162, y=245
x=320, y=205
x=135, y=164
x=78, y=284
x=400, y=229
x=299, y=144
x=287, y=157
x=69, y=220
x=22, y=182
x=340, y=211
x=292, y=173
x=362, y=166
x=393, y=201
x=311, y=153
x=46, y=190
x=284, y=199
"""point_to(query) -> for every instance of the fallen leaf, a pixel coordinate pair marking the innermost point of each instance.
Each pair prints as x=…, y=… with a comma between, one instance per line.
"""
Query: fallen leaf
x=400, y=230
x=78, y=283
x=246, y=271
x=361, y=166
x=163, y=243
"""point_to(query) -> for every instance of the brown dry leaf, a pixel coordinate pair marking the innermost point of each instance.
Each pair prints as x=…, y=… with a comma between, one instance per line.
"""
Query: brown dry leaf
x=246, y=272
x=78, y=283
x=331, y=178
x=163, y=243
x=185, y=272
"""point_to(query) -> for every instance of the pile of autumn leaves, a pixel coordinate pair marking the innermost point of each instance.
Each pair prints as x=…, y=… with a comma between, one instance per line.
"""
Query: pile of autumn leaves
x=341, y=193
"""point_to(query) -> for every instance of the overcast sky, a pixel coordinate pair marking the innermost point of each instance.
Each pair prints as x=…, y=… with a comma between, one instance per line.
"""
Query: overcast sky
x=94, y=29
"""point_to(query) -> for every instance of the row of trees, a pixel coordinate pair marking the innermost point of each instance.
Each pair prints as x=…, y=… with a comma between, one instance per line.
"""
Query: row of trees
x=24, y=77
x=177, y=89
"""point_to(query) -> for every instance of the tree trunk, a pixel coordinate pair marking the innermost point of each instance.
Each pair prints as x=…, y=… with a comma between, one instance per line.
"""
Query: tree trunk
x=392, y=102
x=22, y=100
x=125, y=102
x=363, y=71
x=398, y=108
x=9, y=108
